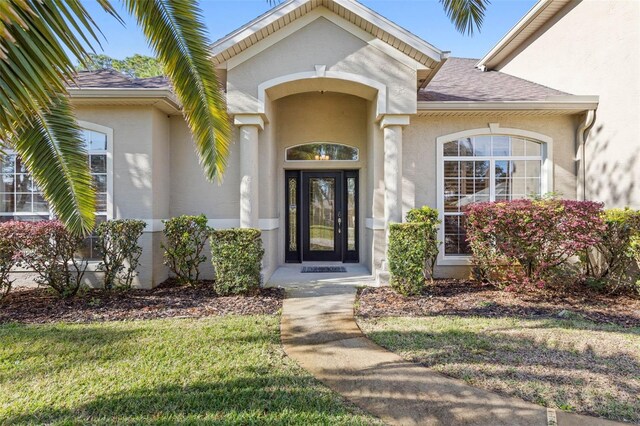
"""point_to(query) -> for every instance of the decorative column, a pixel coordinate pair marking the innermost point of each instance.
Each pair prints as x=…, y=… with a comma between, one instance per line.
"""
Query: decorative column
x=391, y=126
x=249, y=125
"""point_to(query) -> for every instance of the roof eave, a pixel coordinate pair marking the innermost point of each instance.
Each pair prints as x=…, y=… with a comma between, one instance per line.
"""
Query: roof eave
x=569, y=103
x=509, y=42
x=152, y=95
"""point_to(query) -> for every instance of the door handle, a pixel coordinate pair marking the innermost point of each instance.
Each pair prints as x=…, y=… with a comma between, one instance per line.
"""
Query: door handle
x=339, y=222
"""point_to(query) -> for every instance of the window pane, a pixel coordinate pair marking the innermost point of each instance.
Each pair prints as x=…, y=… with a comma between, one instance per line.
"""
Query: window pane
x=533, y=149
x=533, y=168
x=533, y=187
x=23, y=202
x=322, y=214
x=502, y=169
x=450, y=149
x=23, y=183
x=20, y=166
x=9, y=164
x=466, y=147
x=7, y=203
x=8, y=183
x=98, y=163
x=293, y=214
x=40, y=204
x=482, y=146
x=351, y=214
x=518, y=168
x=451, y=169
x=100, y=181
x=322, y=151
x=97, y=141
x=451, y=186
x=101, y=202
x=517, y=147
x=501, y=145
x=451, y=203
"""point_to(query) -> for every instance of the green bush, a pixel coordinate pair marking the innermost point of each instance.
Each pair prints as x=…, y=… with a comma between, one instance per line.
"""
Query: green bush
x=610, y=263
x=185, y=238
x=236, y=255
x=428, y=216
x=424, y=214
x=120, y=252
x=407, y=256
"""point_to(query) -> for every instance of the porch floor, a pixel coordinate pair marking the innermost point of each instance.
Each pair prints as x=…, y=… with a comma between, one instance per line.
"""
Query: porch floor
x=290, y=276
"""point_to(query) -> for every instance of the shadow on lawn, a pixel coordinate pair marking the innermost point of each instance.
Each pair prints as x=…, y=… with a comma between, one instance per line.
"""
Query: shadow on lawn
x=533, y=369
x=281, y=399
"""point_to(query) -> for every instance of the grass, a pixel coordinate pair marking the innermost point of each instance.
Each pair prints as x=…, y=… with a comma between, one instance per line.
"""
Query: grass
x=571, y=365
x=222, y=370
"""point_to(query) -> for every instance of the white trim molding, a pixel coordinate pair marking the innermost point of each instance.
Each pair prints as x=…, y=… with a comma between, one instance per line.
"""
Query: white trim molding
x=546, y=178
x=394, y=120
x=249, y=120
x=374, y=223
x=381, y=101
x=265, y=224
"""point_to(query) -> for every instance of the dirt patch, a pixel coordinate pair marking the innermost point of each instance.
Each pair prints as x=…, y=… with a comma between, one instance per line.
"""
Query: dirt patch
x=38, y=306
x=470, y=298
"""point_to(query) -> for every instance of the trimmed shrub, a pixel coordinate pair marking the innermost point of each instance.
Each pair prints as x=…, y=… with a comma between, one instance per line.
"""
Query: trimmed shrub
x=423, y=214
x=407, y=254
x=428, y=216
x=118, y=246
x=50, y=250
x=609, y=263
x=530, y=242
x=185, y=238
x=236, y=255
x=10, y=236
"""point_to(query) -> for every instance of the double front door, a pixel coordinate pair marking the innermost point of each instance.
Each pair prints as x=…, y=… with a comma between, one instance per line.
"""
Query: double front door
x=321, y=216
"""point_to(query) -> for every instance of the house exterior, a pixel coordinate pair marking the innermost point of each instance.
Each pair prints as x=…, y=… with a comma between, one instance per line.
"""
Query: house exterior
x=343, y=121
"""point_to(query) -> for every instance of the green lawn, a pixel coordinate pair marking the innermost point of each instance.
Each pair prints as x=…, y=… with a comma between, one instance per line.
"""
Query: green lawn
x=572, y=365
x=222, y=370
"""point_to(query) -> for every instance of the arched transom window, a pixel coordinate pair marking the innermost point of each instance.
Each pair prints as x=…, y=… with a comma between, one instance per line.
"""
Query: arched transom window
x=485, y=168
x=322, y=151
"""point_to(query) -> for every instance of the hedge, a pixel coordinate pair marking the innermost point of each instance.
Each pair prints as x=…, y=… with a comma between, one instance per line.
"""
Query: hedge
x=185, y=238
x=406, y=254
x=236, y=255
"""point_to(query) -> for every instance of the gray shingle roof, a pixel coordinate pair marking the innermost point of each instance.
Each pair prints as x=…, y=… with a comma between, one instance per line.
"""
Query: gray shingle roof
x=459, y=80
x=112, y=79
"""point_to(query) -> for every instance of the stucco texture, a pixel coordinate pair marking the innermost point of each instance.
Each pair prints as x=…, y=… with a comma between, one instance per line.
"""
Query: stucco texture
x=591, y=48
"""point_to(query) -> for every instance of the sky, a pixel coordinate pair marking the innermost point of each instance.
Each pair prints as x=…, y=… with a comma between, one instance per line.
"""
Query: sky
x=424, y=18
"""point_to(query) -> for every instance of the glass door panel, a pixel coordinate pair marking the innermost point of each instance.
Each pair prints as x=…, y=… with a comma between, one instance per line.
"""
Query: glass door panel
x=322, y=213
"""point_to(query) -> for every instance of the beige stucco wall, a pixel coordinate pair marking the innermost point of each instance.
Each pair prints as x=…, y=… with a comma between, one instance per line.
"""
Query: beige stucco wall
x=592, y=48
x=320, y=42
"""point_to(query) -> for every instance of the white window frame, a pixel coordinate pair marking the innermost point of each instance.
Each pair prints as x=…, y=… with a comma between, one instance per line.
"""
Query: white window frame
x=286, y=152
x=84, y=125
x=494, y=129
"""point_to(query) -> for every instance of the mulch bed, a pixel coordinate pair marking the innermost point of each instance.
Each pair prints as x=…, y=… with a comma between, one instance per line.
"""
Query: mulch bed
x=471, y=298
x=38, y=306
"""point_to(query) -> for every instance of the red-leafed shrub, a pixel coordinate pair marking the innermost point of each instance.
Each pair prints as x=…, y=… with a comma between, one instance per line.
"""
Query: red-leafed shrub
x=528, y=242
x=50, y=250
x=10, y=236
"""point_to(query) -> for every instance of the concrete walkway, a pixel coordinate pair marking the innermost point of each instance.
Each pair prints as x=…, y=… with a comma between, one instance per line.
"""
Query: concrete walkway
x=320, y=333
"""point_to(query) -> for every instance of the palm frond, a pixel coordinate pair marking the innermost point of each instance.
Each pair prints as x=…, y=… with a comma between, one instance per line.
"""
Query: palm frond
x=176, y=33
x=51, y=146
x=466, y=14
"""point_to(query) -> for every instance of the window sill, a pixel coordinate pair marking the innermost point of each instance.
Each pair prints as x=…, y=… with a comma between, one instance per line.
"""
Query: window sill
x=454, y=261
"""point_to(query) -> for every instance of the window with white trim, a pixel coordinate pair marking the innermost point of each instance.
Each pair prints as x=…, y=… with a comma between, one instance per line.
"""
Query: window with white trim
x=485, y=168
x=21, y=199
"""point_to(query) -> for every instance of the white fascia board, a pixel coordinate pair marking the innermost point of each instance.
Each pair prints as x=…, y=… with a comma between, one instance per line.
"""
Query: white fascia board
x=138, y=93
x=365, y=13
x=564, y=103
x=392, y=28
x=254, y=26
x=524, y=22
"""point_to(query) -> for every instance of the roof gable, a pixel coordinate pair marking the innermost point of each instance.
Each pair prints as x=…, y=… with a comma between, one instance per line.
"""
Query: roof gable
x=430, y=57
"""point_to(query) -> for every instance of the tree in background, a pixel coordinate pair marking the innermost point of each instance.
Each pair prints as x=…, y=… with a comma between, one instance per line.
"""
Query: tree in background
x=136, y=66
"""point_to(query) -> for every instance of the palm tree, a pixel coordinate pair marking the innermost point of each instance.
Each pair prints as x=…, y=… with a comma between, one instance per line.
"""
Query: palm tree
x=36, y=117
